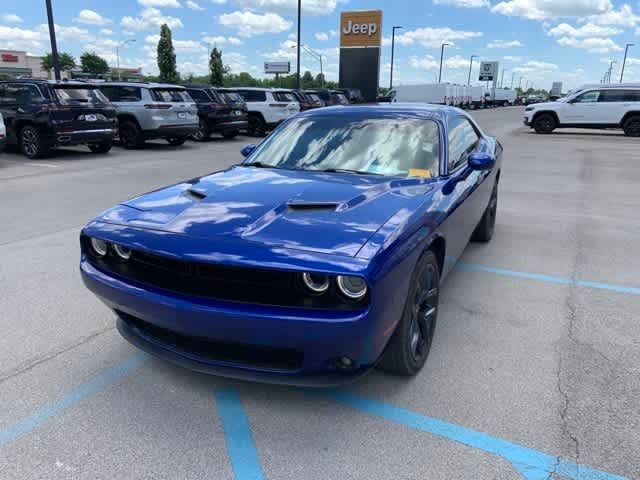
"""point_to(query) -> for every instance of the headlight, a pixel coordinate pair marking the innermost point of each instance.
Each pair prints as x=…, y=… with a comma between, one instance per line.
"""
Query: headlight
x=315, y=282
x=123, y=252
x=100, y=247
x=352, y=287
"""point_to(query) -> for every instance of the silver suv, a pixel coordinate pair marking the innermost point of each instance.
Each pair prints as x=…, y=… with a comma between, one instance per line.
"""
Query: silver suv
x=151, y=110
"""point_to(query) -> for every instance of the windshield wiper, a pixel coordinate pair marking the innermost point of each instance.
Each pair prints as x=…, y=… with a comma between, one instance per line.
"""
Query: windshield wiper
x=346, y=170
x=258, y=165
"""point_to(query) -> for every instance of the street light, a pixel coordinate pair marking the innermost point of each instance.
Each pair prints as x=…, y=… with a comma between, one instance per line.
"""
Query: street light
x=513, y=75
x=52, y=37
x=610, y=70
x=626, y=49
x=393, y=47
x=121, y=44
x=520, y=83
x=470, y=65
x=441, y=57
x=502, y=77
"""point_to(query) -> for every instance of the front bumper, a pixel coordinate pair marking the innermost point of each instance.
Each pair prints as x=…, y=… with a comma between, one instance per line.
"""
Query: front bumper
x=527, y=118
x=318, y=337
x=79, y=137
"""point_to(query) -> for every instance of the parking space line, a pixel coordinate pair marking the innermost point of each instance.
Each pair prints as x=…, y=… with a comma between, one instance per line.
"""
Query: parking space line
x=242, y=451
x=548, y=278
x=71, y=399
x=528, y=462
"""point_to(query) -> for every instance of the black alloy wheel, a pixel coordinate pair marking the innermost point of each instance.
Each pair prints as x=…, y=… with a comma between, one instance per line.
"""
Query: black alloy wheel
x=409, y=347
x=102, y=147
x=203, y=132
x=632, y=126
x=32, y=143
x=544, y=123
x=130, y=135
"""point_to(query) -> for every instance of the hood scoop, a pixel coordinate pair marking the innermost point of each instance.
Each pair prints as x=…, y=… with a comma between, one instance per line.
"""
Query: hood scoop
x=195, y=193
x=312, y=206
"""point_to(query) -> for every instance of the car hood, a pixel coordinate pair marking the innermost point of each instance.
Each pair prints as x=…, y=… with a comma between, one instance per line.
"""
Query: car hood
x=544, y=105
x=320, y=212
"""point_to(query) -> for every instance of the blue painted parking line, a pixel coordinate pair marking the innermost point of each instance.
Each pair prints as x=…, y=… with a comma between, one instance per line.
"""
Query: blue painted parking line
x=242, y=452
x=91, y=387
x=531, y=464
x=548, y=278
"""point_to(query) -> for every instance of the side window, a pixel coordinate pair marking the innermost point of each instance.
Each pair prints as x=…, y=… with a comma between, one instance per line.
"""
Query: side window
x=199, y=96
x=588, y=97
x=3, y=94
x=129, y=94
x=112, y=93
x=21, y=94
x=253, y=95
x=462, y=140
x=612, y=95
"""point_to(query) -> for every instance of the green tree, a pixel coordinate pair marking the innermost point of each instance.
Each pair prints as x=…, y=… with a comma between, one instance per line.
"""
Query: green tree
x=217, y=69
x=92, y=63
x=307, y=80
x=66, y=61
x=166, y=56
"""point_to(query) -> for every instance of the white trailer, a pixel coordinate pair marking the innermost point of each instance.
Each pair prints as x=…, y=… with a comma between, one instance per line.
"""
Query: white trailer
x=477, y=97
x=437, y=93
x=501, y=97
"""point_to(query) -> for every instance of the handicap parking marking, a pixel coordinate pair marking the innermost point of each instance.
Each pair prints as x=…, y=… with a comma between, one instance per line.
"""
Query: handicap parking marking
x=242, y=451
x=80, y=393
x=531, y=464
x=476, y=267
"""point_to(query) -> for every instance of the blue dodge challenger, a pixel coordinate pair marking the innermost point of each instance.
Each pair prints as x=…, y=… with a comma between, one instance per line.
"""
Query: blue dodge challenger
x=316, y=259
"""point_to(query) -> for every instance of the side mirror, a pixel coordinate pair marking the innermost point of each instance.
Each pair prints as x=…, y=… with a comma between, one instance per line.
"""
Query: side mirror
x=248, y=149
x=481, y=161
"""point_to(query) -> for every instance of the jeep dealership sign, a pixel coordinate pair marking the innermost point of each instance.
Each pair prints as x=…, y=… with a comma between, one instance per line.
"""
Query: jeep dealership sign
x=361, y=29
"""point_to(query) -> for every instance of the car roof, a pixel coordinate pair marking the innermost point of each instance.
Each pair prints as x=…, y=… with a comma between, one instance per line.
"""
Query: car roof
x=439, y=112
x=199, y=86
x=141, y=84
x=42, y=81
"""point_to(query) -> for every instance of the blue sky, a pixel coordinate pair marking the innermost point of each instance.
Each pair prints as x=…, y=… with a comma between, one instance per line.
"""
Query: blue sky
x=540, y=40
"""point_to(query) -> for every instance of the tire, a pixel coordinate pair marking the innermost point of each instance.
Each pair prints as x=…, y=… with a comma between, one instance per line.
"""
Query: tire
x=230, y=135
x=257, y=126
x=485, y=228
x=631, y=126
x=130, y=135
x=176, y=141
x=408, y=348
x=102, y=147
x=32, y=145
x=203, y=133
x=545, y=123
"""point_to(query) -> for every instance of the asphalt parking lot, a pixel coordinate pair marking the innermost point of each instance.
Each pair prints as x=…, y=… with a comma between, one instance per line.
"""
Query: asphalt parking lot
x=534, y=372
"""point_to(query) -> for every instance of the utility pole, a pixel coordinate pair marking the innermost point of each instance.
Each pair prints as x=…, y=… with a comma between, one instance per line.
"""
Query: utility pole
x=520, y=84
x=626, y=49
x=441, y=58
x=298, y=46
x=118, y=55
x=470, y=65
x=52, y=37
x=610, y=70
x=502, y=77
x=393, y=47
x=513, y=75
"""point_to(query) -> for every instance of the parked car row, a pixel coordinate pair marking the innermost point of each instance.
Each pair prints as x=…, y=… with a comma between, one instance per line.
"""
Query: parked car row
x=43, y=114
x=462, y=96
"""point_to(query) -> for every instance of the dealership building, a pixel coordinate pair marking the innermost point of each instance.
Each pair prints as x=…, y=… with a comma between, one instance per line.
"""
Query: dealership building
x=15, y=63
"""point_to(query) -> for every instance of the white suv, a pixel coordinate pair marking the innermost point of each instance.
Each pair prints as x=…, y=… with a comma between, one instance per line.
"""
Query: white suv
x=267, y=107
x=591, y=106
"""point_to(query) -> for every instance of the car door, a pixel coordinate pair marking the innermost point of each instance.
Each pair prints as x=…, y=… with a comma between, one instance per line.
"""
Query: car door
x=614, y=103
x=585, y=109
x=464, y=191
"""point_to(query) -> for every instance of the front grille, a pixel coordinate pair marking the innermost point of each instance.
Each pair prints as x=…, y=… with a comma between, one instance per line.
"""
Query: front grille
x=219, y=282
x=219, y=351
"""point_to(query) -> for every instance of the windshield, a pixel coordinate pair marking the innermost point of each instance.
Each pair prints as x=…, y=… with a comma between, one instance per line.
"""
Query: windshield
x=170, y=95
x=70, y=95
x=383, y=146
x=232, y=97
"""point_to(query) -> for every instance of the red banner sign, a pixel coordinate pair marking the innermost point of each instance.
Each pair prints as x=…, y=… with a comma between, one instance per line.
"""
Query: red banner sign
x=9, y=58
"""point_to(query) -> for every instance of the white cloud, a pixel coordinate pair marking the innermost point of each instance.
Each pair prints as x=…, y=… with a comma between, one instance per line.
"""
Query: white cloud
x=20, y=39
x=534, y=66
x=180, y=46
x=463, y=3
x=193, y=5
x=106, y=31
x=432, y=37
x=71, y=34
x=249, y=24
x=160, y=3
x=285, y=52
x=290, y=7
x=592, y=45
x=587, y=30
x=457, y=61
x=219, y=2
x=321, y=37
x=545, y=9
x=11, y=18
x=220, y=40
x=504, y=44
x=424, y=63
x=623, y=17
x=150, y=18
x=90, y=17
x=511, y=58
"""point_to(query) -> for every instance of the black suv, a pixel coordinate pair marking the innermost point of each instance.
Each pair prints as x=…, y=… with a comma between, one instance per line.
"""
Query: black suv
x=41, y=114
x=217, y=113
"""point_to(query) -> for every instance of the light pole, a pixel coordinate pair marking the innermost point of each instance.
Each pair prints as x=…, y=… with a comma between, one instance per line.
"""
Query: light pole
x=121, y=44
x=610, y=70
x=520, y=84
x=298, y=46
x=513, y=75
x=52, y=37
x=502, y=77
x=393, y=47
x=626, y=49
x=441, y=58
x=470, y=65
